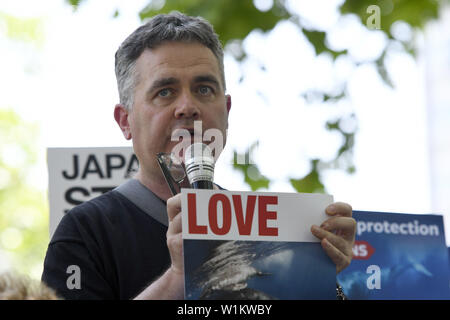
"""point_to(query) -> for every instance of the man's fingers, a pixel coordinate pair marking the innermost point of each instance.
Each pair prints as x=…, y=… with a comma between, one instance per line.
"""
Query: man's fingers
x=343, y=226
x=340, y=259
x=337, y=241
x=339, y=209
x=175, y=242
x=337, y=234
x=175, y=226
x=173, y=212
x=173, y=206
x=174, y=235
x=175, y=245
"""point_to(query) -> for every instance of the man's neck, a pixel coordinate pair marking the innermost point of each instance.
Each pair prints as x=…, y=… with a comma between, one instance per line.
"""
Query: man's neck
x=156, y=184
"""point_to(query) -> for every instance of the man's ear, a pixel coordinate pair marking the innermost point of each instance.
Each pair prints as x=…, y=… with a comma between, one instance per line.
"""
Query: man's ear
x=121, y=115
x=228, y=97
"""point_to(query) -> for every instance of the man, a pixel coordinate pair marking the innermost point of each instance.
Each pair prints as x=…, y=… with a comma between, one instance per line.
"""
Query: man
x=170, y=73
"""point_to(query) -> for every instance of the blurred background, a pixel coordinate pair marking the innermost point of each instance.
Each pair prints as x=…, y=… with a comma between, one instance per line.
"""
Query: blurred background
x=348, y=97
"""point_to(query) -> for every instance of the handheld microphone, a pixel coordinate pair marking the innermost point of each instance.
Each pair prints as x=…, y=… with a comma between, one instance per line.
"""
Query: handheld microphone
x=199, y=164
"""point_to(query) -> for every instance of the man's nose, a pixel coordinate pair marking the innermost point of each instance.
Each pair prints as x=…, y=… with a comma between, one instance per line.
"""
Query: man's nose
x=187, y=107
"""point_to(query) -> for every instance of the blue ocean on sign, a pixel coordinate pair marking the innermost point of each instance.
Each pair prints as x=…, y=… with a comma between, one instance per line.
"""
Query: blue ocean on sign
x=257, y=270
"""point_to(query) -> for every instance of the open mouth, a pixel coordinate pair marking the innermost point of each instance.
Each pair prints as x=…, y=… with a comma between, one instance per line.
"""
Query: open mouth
x=191, y=132
x=183, y=137
x=195, y=136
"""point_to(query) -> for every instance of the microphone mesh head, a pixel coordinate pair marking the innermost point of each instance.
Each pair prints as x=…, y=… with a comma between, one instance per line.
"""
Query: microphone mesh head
x=199, y=163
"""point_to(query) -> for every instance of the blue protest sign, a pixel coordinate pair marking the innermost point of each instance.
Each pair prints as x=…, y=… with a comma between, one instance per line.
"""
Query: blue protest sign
x=398, y=256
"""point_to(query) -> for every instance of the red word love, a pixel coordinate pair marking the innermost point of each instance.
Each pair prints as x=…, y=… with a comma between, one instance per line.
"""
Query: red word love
x=232, y=211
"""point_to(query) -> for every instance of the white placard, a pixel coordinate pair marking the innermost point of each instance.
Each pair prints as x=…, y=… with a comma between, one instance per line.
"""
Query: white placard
x=80, y=174
x=255, y=216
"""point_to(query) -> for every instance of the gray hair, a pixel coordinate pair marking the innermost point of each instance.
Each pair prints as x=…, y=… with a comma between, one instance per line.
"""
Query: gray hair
x=174, y=26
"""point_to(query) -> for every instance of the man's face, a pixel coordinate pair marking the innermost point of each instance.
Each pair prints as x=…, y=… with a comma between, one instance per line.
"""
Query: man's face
x=177, y=84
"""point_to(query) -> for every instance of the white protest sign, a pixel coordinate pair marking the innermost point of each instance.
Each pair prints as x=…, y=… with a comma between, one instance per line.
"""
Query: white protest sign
x=255, y=216
x=80, y=174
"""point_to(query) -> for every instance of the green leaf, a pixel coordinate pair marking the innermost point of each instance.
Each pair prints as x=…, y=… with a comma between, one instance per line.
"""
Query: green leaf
x=349, y=138
x=311, y=183
x=382, y=71
x=328, y=98
x=252, y=175
x=317, y=39
x=75, y=3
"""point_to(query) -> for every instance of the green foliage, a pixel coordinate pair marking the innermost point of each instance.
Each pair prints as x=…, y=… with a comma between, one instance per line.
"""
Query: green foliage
x=75, y=3
x=252, y=175
x=28, y=30
x=23, y=208
x=311, y=182
x=317, y=39
x=233, y=19
x=414, y=12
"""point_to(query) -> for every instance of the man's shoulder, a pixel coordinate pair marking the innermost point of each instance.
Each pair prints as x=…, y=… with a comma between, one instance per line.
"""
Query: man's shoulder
x=103, y=206
x=88, y=217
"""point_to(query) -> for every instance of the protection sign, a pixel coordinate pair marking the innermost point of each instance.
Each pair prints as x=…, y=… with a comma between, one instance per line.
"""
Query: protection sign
x=397, y=256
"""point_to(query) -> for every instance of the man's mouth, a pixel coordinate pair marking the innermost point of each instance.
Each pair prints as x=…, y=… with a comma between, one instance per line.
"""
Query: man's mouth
x=195, y=135
x=191, y=131
x=179, y=134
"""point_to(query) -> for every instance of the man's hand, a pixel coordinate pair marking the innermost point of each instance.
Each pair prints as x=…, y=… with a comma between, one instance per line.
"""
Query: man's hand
x=174, y=235
x=337, y=234
x=171, y=284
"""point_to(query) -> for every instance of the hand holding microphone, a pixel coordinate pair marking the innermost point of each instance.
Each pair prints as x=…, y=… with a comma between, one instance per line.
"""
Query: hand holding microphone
x=199, y=166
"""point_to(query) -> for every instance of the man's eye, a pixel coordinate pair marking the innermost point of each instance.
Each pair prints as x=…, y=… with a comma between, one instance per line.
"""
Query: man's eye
x=205, y=90
x=164, y=93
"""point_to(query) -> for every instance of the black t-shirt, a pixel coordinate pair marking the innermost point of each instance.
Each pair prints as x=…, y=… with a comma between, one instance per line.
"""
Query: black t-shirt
x=114, y=247
x=117, y=247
